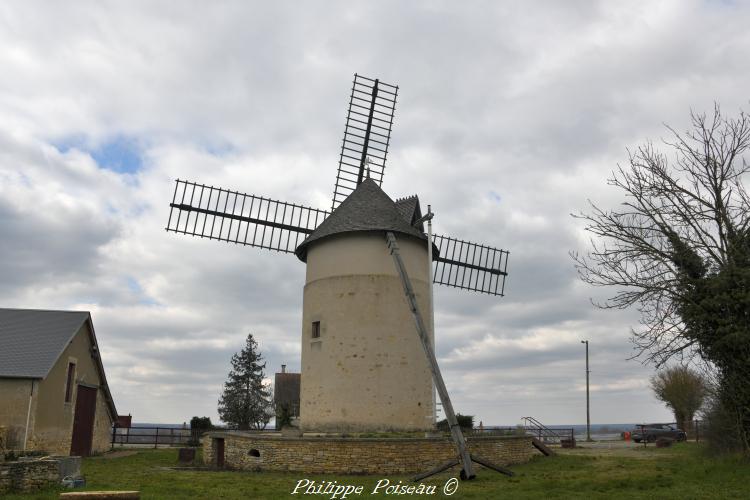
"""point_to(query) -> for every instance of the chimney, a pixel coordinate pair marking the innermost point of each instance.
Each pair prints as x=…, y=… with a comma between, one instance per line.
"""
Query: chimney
x=283, y=368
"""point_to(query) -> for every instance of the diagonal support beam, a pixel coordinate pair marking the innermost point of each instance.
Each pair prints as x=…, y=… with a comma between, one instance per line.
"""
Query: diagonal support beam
x=490, y=465
x=437, y=470
x=458, y=437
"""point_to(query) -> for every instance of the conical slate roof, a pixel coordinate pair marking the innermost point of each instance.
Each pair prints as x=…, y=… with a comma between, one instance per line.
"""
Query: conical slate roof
x=410, y=210
x=367, y=208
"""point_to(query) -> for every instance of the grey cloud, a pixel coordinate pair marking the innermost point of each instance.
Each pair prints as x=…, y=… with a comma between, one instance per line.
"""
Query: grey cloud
x=535, y=103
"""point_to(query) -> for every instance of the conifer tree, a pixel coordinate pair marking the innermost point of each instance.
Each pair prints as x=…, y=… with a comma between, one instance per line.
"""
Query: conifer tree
x=245, y=402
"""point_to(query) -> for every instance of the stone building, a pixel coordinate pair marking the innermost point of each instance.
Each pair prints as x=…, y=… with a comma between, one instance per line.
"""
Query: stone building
x=53, y=391
x=363, y=365
x=286, y=394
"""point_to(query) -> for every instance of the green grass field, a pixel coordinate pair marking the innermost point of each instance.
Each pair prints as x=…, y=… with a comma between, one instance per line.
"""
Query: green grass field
x=683, y=471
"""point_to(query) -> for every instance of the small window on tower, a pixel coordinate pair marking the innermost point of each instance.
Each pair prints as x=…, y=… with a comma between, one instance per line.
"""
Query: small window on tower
x=316, y=329
x=69, y=382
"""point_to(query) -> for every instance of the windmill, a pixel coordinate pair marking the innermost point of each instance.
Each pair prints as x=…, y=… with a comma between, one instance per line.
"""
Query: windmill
x=363, y=369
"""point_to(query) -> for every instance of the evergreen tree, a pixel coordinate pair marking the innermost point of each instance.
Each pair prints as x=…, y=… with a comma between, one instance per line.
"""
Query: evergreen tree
x=246, y=402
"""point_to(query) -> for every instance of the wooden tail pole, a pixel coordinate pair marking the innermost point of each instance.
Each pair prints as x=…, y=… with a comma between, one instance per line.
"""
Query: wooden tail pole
x=458, y=437
x=437, y=470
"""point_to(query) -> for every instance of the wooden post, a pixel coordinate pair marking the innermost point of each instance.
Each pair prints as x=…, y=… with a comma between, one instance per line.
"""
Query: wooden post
x=458, y=437
x=697, y=432
x=643, y=436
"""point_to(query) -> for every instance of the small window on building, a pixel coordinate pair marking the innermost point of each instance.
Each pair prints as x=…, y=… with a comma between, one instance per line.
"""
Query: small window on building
x=69, y=382
x=316, y=329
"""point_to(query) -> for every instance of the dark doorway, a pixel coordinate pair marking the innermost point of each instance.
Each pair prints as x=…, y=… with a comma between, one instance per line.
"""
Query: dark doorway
x=83, y=422
x=219, y=452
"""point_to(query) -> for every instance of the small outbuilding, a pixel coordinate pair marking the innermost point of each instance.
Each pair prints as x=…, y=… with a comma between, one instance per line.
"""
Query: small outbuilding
x=286, y=394
x=53, y=392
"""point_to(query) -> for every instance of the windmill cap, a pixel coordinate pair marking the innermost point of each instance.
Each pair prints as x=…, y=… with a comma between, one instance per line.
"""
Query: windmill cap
x=369, y=209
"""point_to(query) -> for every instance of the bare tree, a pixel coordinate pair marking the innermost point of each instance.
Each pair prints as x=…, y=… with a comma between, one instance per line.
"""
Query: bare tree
x=683, y=390
x=678, y=249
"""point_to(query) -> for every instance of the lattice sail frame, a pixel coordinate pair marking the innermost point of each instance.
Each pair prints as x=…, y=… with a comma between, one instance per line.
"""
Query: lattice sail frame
x=276, y=225
x=470, y=266
x=220, y=214
x=366, y=136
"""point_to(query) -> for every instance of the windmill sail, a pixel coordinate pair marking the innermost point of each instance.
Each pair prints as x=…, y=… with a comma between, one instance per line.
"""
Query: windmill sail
x=245, y=219
x=470, y=266
x=366, y=135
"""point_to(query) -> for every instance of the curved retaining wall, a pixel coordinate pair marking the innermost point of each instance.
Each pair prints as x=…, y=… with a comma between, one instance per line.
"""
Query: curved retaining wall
x=355, y=455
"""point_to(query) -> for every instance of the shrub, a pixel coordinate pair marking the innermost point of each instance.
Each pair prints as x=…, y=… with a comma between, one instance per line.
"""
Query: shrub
x=283, y=417
x=721, y=429
x=198, y=427
x=465, y=422
x=201, y=423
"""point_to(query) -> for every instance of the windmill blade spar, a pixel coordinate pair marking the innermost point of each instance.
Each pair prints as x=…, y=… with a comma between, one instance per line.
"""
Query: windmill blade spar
x=470, y=266
x=366, y=135
x=245, y=219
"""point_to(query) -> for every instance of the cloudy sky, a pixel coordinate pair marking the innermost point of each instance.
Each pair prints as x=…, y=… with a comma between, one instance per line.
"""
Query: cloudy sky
x=510, y=116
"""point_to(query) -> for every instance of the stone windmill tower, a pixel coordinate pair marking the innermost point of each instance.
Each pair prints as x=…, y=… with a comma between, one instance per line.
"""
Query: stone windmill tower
x=363, y=368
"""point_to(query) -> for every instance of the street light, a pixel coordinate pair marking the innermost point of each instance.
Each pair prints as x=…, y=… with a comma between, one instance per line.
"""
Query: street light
x=588, y=412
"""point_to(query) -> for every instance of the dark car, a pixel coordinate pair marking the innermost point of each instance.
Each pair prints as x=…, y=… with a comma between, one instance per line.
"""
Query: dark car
x=652, y=432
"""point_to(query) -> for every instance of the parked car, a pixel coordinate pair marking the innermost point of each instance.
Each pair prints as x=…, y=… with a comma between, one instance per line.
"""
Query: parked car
x=652, y=432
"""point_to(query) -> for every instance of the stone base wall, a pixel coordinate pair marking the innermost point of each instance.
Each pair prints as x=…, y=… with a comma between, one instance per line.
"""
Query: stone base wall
x=28, y=476
x=259, y=452
x=3, y=441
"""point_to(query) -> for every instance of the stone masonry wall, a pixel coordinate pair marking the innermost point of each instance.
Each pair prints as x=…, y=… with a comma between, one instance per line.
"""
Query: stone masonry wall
x=356, y=455
x=3, y=441
x=14, y=407
x=27, y=476
x=102, y=438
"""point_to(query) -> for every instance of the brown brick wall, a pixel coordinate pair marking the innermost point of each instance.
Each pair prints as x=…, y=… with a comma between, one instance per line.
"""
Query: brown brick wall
x=356, y=455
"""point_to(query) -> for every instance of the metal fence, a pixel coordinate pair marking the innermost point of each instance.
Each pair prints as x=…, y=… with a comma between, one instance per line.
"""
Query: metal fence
x=164, y=436
x=156, y=436
x=547, y=435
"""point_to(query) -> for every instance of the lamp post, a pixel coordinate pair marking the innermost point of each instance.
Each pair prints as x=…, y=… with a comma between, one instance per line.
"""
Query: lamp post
x=588, y=412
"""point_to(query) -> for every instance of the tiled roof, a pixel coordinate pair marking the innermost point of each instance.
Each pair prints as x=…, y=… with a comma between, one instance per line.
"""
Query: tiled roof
x=32, y=340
